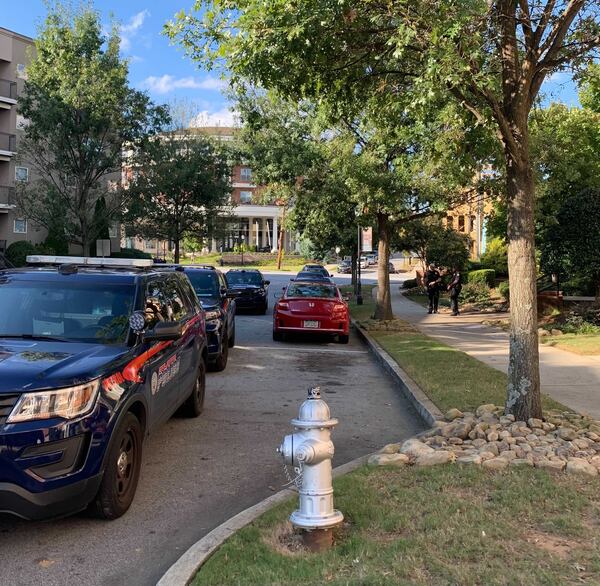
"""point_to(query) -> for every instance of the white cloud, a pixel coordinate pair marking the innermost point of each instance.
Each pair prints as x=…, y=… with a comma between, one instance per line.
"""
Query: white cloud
x=224, y=117
x=560, y=77
x=129, y=30
x=167, y=83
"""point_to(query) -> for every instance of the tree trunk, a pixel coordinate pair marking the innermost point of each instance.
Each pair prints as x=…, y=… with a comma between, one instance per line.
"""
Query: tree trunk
x=176, y=254
x=523, y=394
x=383, y=307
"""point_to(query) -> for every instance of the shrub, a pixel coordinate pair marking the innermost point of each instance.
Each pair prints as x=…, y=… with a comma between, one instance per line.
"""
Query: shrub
x=410, y=284
x=17, y=252
x=131, y=253
x=496, y=256
x=504, y=290
x=473, y=265
x=476, y=293
x=483, y=276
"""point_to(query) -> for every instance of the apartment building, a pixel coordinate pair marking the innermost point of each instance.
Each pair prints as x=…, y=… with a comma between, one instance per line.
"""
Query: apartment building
x=254, y=223
x=15, y=52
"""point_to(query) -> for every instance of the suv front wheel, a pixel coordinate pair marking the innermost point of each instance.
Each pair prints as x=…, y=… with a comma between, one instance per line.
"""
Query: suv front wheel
x=122, y=472
x=221, y=362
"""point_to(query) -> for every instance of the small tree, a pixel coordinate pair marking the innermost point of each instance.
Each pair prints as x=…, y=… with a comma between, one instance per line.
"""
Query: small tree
x=80, y=112
x=180, y=183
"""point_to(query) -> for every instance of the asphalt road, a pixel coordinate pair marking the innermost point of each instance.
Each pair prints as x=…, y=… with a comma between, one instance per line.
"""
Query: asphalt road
x=198, y=473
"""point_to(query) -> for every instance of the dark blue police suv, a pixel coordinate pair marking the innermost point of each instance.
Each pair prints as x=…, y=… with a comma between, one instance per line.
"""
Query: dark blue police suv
x=92, y=359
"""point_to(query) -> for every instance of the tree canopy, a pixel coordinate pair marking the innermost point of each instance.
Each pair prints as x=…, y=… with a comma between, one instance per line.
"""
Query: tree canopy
x=81, y=113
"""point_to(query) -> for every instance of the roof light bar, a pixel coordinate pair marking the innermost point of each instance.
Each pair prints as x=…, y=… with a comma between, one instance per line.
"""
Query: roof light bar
x=88, y=261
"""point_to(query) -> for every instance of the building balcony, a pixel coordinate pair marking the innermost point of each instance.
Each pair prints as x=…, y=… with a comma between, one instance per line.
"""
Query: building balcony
x=8, y=93
x=7, y=198
x=8, y=146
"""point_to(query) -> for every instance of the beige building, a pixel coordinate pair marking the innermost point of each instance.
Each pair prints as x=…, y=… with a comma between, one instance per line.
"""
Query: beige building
x=14, y=55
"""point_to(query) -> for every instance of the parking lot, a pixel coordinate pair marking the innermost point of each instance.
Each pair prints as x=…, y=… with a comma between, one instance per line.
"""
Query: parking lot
x=197, y=473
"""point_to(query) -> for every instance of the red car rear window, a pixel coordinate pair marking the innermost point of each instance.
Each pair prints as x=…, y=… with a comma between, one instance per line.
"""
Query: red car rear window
x=312, y=290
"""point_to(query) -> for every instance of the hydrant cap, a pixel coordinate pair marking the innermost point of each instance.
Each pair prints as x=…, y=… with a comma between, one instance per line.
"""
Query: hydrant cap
x=314, y=411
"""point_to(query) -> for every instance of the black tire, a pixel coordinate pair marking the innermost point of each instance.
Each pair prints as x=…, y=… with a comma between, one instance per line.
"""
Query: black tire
x=277, y=336
x=194, y=404
x=122, y=471
x=221, y=362
x=343, y=338
x=231, y=340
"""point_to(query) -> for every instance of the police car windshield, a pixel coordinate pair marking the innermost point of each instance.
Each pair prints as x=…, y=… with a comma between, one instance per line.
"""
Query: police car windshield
x=74, y=311
x=205, y=283
x=312, y=290
x=244, y=278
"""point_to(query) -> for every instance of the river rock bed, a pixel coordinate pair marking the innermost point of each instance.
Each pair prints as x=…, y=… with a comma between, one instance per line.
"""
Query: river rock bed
x=488, y=438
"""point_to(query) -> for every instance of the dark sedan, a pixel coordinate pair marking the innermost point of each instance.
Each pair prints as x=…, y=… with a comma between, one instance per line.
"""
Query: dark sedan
x=251, y=287
x=312, y=276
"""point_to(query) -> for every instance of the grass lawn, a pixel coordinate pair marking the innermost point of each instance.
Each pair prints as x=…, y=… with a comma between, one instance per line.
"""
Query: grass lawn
x=576, y=343
x=446, y=524
x=449, y=377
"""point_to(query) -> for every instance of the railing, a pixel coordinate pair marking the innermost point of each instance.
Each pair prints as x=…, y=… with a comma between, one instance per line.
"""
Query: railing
x=8, y=142
x=8, y=89
x=548, y=283
x=7, y=196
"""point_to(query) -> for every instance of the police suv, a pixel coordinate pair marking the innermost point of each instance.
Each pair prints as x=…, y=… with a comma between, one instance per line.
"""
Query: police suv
x=94, y=355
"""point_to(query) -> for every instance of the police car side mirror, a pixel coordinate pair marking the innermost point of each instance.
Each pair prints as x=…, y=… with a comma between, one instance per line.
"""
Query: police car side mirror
x=267, y=282
x=164, y=330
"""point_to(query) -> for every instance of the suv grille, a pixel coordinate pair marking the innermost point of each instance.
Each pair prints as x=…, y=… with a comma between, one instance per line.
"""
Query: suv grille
x=7, y=402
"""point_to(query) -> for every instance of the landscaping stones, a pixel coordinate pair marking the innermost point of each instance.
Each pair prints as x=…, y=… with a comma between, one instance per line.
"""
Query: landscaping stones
x=488, y=438
x=389, y=459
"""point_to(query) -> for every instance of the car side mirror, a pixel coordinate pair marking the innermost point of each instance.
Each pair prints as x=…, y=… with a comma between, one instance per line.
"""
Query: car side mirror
x=346, y=298
x=267, y=282
x=164, y=330
x=331, y=274
x=137, y=322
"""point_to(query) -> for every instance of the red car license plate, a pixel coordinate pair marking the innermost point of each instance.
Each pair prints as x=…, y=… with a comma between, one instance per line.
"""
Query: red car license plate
x=311, y=324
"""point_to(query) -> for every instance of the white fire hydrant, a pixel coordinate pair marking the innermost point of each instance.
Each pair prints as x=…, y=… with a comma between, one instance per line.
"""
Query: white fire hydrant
x=311, y=450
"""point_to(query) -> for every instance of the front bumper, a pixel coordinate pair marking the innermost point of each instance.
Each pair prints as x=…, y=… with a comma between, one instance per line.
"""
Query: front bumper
x=250, y=301
x=59, y=502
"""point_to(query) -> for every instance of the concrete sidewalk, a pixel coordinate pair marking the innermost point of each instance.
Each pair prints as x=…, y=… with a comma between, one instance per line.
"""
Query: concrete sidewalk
x=571, y=379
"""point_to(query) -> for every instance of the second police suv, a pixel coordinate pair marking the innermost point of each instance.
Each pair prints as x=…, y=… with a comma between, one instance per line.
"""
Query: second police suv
x=94, y=356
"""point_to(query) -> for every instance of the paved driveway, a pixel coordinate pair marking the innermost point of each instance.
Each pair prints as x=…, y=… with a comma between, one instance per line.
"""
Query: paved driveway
x=198, y=473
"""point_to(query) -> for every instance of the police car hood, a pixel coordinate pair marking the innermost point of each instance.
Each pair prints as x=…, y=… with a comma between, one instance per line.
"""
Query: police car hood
x=27, y=365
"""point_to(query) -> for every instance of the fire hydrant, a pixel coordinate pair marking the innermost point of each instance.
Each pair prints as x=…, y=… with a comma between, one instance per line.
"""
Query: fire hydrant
x=310, y=450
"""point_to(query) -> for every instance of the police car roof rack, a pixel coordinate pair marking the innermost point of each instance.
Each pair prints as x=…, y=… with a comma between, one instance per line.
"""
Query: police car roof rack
x=86, y=261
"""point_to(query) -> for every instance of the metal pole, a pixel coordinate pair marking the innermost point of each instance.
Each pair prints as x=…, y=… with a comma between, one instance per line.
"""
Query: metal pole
x=359, y=299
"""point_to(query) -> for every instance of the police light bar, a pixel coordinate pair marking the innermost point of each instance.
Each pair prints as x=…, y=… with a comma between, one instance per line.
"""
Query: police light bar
x=88, y=261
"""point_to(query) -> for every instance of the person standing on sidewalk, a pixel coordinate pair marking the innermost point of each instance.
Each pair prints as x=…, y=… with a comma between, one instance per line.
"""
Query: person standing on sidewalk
x=433, y=280
x=455, y=287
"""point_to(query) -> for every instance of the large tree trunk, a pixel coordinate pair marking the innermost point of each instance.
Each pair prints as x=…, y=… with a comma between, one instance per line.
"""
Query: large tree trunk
x=383, y=307
x=176, y=253
x=523, y=394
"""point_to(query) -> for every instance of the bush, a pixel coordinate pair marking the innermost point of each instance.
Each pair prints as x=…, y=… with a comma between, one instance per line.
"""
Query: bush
x=473, y=265
x=131, y=253
x=496, y=257
x=484, y=276
x=476, y=293
x=504, y=290
x=410, y=284
x=18, y=251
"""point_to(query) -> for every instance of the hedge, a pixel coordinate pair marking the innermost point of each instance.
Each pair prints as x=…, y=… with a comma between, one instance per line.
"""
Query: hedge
x=485, y=276
x=409, y=284
x=131, y=253
x=18, y=251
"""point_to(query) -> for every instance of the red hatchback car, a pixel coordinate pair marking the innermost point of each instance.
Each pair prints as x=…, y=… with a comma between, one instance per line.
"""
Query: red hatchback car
x=312, y=307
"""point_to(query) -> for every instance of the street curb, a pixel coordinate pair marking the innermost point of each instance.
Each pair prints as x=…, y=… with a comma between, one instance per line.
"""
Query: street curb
x=418, y=399
x=185, y=568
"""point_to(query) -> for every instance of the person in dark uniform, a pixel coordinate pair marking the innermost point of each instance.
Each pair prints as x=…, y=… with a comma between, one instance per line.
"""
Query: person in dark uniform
x=455, y=287
x=433, y=280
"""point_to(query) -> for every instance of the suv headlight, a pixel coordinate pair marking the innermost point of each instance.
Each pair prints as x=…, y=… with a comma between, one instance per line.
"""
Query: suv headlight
x=212, y=315
x=66, y=403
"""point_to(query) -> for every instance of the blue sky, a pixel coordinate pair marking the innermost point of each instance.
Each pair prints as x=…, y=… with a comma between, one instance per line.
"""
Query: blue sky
x=164, y=71
x=155, y=65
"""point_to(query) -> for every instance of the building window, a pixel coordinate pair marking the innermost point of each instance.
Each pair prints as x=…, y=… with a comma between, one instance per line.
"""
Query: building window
x=450, y=222
x=20, y=226
x=21, y=174
x=245, y=196
x=245, y=174
x=473, y=226
x=21, y=72
x=461, y=223
x=149, y=244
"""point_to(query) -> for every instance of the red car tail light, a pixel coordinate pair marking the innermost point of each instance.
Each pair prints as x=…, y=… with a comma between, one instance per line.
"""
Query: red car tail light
x=283, y=305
